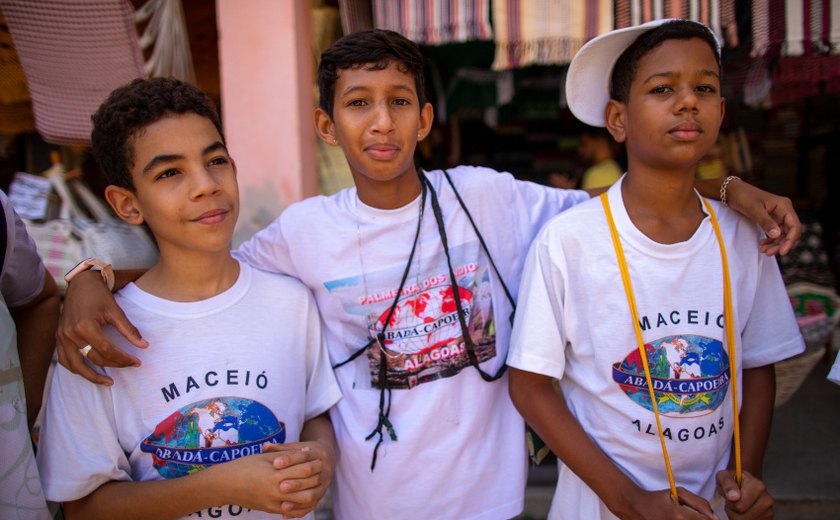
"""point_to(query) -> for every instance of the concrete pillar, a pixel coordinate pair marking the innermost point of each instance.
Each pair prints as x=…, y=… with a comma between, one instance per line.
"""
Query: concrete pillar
x=265, y=61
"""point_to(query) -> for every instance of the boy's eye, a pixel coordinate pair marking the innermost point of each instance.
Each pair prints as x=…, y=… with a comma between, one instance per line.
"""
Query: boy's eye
x=218, y=161
x=401, y=101
x=356, y=103
x=167, y=173
x=707, y=89
x=661, y=89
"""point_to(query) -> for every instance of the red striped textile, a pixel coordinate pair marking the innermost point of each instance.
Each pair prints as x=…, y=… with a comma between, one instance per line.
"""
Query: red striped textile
x=434, y=22
x=719, y=15
x=73, y=54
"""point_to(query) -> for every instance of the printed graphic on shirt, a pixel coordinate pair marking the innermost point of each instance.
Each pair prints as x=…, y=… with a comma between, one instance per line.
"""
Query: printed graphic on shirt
x=423, y=340
x=690, y=375
x=210, y=432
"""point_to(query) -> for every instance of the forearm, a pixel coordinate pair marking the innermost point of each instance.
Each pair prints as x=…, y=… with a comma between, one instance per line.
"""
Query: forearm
x=546, y=412
x=320, y=430
x=36, y=325
x=150, y=500
x=758, y=397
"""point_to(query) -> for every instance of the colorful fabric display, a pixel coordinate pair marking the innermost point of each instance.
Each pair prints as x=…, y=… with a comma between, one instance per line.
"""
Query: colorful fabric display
x=719, y=15
x=73, y=54
x=546, y=32
x=434, y=22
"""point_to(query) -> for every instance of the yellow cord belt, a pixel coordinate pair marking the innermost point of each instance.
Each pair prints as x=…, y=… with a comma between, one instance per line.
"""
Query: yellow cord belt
x=730, y=337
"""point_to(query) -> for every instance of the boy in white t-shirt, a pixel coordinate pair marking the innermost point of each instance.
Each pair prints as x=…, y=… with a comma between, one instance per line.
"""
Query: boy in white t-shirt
x=239, y=359
x=400, y=274
x=655, y=87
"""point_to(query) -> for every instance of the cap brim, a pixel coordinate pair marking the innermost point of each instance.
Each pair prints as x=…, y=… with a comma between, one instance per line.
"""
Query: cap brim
x=588, y=79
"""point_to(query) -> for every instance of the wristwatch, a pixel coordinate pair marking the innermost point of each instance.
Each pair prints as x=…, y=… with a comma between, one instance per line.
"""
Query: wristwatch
x=104, y=269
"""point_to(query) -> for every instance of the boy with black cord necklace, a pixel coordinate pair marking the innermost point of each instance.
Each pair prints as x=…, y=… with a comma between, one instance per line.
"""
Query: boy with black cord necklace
x=413, y=297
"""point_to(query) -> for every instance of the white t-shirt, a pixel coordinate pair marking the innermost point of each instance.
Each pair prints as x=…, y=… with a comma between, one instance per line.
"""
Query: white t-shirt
x=221, y=376
x=21, y=280
x=460, y=451
x=573, y=323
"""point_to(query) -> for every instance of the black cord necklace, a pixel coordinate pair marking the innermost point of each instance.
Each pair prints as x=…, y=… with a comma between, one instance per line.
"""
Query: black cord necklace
x=378, y=339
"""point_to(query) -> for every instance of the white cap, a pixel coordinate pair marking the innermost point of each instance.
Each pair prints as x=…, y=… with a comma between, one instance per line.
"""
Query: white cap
x=588, y=79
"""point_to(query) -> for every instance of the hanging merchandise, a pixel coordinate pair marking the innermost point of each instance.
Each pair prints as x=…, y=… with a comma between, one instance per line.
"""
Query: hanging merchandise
x=85, y=228
x=434, y=22
x=355, y=15
x=796, y=50
x=167, y=32
x=718, y=15
x=74, y=54
x=546, y=32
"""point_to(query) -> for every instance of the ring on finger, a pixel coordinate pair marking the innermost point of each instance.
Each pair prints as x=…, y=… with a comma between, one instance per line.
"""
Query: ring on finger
x=85, y=350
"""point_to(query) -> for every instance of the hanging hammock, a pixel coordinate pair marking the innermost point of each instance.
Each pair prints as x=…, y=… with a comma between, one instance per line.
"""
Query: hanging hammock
x=75, y=53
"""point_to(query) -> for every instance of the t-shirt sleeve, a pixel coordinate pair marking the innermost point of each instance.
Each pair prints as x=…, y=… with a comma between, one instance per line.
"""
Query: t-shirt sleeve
x=538, y=338
x=322, y=390
x=267, y=250
x=79, y=449
x=537, y=204
x=23, y=272
x=770, y=333
x=834, y=373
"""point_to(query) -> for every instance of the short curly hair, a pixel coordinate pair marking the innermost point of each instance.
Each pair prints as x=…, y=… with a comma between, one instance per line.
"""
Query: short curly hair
x=373, y=49
x=130, y=109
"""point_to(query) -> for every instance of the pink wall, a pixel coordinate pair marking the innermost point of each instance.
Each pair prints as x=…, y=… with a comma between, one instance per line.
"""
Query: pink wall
x=265, y=55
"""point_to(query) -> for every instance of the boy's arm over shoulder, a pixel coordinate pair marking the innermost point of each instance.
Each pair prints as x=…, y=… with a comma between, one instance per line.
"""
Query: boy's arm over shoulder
x=529, y=203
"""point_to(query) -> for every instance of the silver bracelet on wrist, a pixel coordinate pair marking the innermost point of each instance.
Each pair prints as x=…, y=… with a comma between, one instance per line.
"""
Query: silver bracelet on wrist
x=723, y=187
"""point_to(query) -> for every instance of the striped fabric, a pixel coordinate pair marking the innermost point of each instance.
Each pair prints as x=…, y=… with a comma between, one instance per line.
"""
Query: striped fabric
x=355, y=15
x=433, y=22
x=719, y=15
x=546, y=32
x=796, y=27
x=73, y=53
x=797, y=43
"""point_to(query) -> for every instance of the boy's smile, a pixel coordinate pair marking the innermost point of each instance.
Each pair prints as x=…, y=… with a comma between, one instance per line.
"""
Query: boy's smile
x=674, y=108
x=377, y=121
x=185, y=184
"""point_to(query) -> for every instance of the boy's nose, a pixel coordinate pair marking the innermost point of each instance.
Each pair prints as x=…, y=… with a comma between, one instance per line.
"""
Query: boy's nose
x=383, y=120
x=687, y=100
x=204, y=183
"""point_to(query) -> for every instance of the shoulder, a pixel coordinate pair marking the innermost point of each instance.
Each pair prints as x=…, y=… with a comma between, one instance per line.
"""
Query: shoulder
x=471, y=175
x=316, y=206
x=582, y=218
x=281, y=284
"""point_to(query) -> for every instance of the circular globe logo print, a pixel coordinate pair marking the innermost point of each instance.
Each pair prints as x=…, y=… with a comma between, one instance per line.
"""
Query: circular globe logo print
x=210, y=432
x=690, y=375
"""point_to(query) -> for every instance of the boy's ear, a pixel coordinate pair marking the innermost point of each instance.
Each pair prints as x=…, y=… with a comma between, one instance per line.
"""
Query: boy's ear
x=124, y=203
x=325, y=127
x=615, y=117
x=427, y=117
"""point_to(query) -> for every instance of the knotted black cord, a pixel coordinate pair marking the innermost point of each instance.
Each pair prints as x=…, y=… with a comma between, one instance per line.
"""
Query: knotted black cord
x=483, y=245
x=456, y=290
x=379, y=339
x=385, y=409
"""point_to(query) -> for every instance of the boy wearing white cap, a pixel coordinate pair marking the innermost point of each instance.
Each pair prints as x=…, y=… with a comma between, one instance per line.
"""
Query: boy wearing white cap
x=652, y=306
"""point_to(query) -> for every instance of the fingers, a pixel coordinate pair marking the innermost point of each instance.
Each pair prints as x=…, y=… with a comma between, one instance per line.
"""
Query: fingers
x=696, y=503
x=74, y=362
x=301, y=470
x=128, y=331
x=300, y=484
x=727, y=486
x=294, y=457
x=754, y=501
